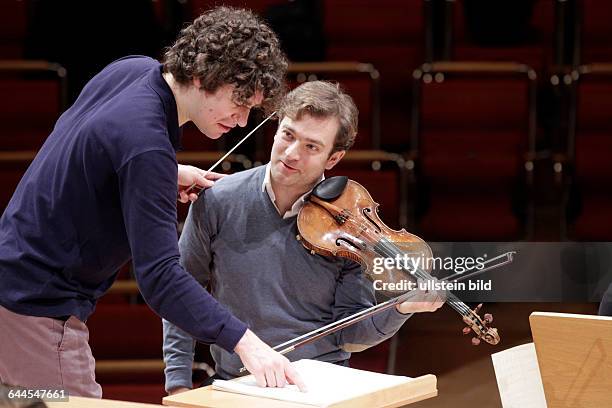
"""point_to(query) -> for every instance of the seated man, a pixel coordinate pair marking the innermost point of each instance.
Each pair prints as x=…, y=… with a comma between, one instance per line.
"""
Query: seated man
x=239, y=238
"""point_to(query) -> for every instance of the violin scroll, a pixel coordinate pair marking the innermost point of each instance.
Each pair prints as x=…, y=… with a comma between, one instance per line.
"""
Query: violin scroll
x=480, y=327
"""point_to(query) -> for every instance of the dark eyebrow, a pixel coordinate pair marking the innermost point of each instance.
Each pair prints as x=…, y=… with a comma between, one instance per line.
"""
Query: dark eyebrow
x=289, y=128
x=309, y=140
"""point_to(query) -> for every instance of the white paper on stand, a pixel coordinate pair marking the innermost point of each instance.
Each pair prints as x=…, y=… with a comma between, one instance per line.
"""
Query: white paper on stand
x=327, y=384
x=518, y=377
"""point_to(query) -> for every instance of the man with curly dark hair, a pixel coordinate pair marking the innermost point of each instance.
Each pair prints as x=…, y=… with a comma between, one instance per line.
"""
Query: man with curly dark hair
x=232, y=54
x=103, y=189
x=229, y=47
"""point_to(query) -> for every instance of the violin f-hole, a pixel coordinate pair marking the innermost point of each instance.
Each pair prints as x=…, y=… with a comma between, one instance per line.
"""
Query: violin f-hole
x=366, y=214
x=339, y=242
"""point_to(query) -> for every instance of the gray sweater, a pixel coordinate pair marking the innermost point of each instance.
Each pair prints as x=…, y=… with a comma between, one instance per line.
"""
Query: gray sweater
x=235, y=241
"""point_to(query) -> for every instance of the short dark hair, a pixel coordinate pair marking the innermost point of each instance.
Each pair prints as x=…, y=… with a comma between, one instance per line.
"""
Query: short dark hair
x=324, y=99
x=229, y=46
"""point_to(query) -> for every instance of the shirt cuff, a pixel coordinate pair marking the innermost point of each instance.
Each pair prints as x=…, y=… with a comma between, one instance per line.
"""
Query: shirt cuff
x=230, y=335
x=178, y=377
x=390, y=322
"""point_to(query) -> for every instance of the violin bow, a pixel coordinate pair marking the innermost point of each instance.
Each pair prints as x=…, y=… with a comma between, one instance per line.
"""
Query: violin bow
x=316, y=334
x=200, y=188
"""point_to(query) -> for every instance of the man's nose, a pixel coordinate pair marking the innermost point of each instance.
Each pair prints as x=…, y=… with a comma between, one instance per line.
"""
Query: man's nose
x=242, y=117
x=292, y=151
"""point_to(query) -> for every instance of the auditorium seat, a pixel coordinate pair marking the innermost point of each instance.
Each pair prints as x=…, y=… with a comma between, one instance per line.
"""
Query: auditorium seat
x=589, y=151
x=391, y=35
x=13, y=26
x=395, y=36
x=33, y=97
x=594, y=31
x=110, y=321
x=474, y=135
x=485, y=32
x=126, y=341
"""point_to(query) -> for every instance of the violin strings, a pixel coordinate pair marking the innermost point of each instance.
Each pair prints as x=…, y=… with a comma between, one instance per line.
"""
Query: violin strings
x=420, y=273
x=389, y=249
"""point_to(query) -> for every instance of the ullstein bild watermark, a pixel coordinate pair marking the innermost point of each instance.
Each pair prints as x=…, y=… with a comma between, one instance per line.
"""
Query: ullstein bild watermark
x=413, y=264
x=431, y=285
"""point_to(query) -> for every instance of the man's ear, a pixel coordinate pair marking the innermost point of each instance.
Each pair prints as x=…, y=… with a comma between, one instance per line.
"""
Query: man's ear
x=334, y=159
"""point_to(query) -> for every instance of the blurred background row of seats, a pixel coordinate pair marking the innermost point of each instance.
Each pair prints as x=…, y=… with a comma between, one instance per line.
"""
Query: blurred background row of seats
x=478, y=122
x=445, y=84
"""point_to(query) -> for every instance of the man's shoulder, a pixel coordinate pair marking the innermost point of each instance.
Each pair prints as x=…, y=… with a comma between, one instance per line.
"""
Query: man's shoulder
x=125, y=111
x=238, y=184
x=234, y=188
x=132, y=64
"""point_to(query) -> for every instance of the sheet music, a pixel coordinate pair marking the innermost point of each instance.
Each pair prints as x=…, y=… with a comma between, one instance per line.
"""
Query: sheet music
x=518, y=377
x=327, y=384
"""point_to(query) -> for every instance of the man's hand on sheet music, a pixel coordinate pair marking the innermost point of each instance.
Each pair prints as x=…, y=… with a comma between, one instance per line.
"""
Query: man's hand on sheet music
x=269, y=367
x=424, y=299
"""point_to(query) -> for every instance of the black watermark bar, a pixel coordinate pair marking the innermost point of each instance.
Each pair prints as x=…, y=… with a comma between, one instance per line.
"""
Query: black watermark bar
x=539, y=271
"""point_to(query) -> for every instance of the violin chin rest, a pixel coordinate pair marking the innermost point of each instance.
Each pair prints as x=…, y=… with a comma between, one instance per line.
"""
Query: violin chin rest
x=330, y=188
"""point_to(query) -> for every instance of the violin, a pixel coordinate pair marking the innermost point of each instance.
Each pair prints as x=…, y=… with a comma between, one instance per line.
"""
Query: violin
x=340, y=218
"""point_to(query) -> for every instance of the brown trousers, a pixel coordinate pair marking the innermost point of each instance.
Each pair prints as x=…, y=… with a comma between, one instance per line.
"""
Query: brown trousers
x=46, y=353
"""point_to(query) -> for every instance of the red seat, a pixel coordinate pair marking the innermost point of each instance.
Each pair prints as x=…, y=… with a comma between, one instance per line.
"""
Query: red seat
x=13, y=23
x=126, y=335
x=593, y=222
x=470, y=216
x=595, y=31
x=476, y=124
x=591, y=140
x=394, y=36
x=391, y=36
x=537, y=50
x=33, y=98
x=130, y=331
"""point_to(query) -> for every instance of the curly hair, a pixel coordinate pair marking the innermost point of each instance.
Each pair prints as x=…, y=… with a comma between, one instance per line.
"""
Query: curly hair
x=230, y=46
x=324, y=99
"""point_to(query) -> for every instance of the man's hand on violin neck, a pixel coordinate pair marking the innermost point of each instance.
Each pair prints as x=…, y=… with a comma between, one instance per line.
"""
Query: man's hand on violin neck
x=270, y=368
x=423, y=301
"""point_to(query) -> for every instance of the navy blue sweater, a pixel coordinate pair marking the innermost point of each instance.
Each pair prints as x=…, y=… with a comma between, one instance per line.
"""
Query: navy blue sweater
x=103, y=188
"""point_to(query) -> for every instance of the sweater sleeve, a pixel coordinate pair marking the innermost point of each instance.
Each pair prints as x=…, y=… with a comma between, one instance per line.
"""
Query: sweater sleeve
x=353, y=294
x=178, y=346
x=148, y=191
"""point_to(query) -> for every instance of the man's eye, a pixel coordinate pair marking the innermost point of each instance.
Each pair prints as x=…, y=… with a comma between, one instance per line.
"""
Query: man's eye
x=312, y=147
